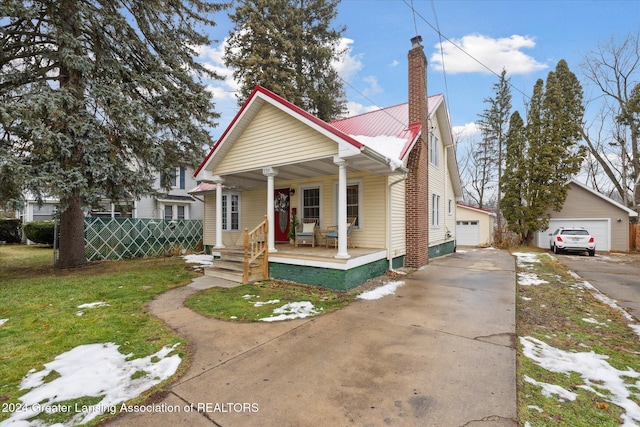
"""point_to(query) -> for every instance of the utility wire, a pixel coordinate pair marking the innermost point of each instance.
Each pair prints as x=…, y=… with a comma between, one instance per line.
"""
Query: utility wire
x=442, y=36
x=444, y=73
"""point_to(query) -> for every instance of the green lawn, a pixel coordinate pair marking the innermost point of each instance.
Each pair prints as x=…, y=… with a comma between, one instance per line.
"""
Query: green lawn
x=252, y=302
x=565, y=315
x=41, y=305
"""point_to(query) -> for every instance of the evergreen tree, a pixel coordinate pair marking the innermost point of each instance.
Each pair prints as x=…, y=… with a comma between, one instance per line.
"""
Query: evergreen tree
x=96, y=97
x=515, y=180
x=550, y=153
x=493, y=124
x=288, y=46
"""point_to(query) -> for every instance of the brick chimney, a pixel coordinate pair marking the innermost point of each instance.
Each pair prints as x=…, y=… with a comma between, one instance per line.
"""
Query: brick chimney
x=417, y=185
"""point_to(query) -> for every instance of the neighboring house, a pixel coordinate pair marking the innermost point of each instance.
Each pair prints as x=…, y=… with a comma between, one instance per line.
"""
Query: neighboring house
x=606, y=220
x=175, y=204
x=474, y=226
x=275, y=160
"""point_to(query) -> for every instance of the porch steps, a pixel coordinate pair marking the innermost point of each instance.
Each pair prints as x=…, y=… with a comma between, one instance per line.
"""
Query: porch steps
x=230, y=267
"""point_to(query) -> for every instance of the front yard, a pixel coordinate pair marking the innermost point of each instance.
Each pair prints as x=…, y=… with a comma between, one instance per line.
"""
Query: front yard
x=52, y=322
x=578, y=360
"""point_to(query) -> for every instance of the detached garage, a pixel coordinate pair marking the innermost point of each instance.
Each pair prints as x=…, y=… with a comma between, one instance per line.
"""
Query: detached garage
x=605, y=219
x=474, y=226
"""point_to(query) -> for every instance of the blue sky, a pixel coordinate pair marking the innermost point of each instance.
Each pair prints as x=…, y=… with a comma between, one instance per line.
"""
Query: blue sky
x=527, y=38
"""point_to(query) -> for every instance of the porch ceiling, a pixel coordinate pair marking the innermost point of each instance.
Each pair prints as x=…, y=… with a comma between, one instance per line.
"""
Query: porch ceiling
x=254, y=179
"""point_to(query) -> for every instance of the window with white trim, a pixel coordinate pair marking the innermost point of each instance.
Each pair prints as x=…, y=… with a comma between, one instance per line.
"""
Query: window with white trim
x=231, y=212
x=435, y=210
x=310, y=202
x=354, y=201
x=434, y=151
x=176, y=211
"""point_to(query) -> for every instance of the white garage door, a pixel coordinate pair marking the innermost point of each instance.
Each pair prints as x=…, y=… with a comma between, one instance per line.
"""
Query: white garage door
x=467, y=233
x=598, y=228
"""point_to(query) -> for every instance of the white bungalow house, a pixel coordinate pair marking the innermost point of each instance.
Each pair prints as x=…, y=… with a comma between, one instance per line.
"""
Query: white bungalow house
x=387, y=180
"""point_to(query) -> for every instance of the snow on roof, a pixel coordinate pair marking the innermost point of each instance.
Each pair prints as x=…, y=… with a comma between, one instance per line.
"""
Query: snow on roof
x=388, y=145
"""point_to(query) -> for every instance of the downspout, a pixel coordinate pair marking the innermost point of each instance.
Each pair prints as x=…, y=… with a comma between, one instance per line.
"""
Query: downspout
x=390, y=237
x=447, y=180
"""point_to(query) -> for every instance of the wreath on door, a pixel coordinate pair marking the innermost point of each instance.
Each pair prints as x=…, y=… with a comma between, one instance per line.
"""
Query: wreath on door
x=281, y=203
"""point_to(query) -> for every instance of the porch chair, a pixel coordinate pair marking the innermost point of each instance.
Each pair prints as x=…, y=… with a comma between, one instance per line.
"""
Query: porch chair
x=307, y=232
x=332, y=233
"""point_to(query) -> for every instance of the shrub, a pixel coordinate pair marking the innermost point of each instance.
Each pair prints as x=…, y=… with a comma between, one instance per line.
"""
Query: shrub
x=40, y=231
x=10, y=230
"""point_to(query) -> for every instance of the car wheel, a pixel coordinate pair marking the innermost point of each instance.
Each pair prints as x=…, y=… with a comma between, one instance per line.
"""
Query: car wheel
x=592, y=253
x=555, y=249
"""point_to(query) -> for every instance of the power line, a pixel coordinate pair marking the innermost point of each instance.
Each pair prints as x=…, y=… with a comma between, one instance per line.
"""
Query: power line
x=442, y=36
x=444, y=73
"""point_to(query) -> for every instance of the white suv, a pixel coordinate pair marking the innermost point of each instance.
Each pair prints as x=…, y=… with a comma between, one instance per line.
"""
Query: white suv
x=572, y=239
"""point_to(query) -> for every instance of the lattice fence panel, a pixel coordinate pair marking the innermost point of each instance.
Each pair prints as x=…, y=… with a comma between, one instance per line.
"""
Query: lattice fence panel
x=118, y=238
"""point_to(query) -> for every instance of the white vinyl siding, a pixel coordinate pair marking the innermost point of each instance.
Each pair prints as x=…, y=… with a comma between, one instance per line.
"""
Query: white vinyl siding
x=272, y=138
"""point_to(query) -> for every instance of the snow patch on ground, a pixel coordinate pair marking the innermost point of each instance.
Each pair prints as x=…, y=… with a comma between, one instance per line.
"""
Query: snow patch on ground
x=549, y=390
x=199, y=259
x=599, y=376
x=95, y=370
x=594, y=321
x=381, y=291
x=293, y=310
x=524, y=258
x=263, y=303
x=94, y=305
x=528, y=279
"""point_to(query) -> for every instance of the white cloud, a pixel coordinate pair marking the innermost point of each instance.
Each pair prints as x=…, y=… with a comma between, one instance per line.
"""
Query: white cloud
x=495, y=54
x=466, y=132
x=349, y=64
x=394, y=63
x=354, y=108
x=373, y=86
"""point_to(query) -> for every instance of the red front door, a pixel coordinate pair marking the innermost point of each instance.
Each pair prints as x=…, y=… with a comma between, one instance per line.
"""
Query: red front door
x=281, y=215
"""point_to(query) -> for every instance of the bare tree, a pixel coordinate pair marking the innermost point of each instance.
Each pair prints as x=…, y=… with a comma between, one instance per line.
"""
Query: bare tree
x=613, y=71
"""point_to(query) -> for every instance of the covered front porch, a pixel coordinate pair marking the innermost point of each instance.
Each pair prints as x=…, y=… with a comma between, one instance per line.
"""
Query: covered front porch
x=319, y=265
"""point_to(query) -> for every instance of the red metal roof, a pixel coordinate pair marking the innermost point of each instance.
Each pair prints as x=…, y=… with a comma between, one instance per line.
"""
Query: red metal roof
x=390, y=121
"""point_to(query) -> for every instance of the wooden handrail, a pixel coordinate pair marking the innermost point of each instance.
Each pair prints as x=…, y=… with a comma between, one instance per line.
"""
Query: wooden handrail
x=255, y=244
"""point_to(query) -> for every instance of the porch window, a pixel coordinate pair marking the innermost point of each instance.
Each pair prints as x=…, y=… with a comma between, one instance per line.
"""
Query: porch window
x=311, y=202
x=231, y=212
x=353, y=202
x=434, y=152
x=435, y=210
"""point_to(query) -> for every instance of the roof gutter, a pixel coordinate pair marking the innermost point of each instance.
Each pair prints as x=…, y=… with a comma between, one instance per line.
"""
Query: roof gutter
x=374, y=155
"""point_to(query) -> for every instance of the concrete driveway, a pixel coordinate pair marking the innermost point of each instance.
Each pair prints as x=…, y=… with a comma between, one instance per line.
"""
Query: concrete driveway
x=440, y=352
x=616, y=275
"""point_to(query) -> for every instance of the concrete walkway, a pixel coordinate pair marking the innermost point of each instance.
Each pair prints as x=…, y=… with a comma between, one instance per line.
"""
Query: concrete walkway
x=440, y=352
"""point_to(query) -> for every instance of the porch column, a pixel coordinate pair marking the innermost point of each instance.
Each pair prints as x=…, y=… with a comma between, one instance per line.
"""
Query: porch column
x=218, y=180
x=342, y=208
x=270, y=173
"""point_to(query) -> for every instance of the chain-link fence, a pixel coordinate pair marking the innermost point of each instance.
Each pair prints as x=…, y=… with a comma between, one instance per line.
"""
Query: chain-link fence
x=118, y=238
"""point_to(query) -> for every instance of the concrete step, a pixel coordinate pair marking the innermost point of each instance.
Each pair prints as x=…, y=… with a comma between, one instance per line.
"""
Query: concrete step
x=255, y=274
x=230, y=275
x=233, y=265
